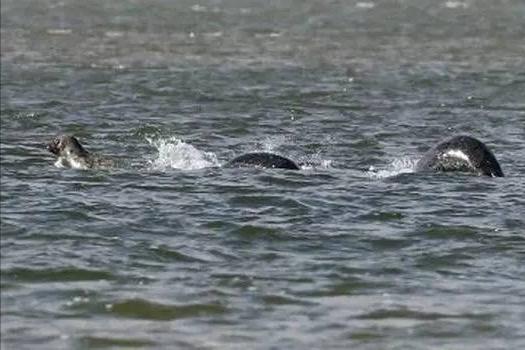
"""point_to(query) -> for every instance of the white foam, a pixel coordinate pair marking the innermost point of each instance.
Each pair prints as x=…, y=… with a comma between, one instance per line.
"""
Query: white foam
x=70, y=162
x=326, y=163
x=173, y=153
x=365, y=5
x=199, y=8
x=315, y=162
x=398, y=166
x=271, y=143
x=456, y=4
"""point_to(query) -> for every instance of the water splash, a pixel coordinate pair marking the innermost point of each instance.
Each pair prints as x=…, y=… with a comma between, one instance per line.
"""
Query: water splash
x=310, y=161
x=365, y=5
x=456, y=5
x=270, y=144
x=174, y=153
x=314, y=161
x=397, y=166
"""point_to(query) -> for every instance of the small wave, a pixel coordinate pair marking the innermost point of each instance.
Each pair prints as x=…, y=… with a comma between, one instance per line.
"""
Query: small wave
x=149, y=310
x=397, y=166
x=313, y=163
x=114, y=342
x=174, y=153
x=56, y=275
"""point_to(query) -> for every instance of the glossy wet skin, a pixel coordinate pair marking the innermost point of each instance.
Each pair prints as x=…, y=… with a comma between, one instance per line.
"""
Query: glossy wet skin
x=461, y=153
x=262, y=160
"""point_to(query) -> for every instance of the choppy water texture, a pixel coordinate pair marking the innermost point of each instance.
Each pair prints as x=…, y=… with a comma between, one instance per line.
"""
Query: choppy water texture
x=170, y=250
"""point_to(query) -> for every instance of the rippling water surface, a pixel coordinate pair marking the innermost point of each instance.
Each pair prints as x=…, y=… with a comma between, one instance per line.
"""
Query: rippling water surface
x=170, y=250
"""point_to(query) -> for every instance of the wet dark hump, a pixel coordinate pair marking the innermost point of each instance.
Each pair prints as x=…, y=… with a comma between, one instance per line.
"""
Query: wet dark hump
x=461, y=153
x=262, y=160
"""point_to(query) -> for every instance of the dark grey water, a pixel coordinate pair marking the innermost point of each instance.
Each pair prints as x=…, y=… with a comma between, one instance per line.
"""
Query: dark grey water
x=169, y=250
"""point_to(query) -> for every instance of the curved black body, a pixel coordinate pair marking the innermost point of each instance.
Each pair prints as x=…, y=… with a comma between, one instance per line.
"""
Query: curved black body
x=461, y=153
x=262, y=160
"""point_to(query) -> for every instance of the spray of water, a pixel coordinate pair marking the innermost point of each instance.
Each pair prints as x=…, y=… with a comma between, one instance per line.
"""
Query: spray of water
x=397, y=166
x=173, y=153
x=306, y=162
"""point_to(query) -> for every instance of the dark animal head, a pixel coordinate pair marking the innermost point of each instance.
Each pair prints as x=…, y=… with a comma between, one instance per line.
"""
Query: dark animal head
x=62, y=143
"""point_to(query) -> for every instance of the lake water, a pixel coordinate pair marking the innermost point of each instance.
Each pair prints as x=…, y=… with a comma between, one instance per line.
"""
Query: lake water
x=170, y=250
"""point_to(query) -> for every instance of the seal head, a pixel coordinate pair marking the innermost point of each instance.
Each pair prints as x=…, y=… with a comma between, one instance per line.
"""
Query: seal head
x=71, y=154
x=262, y=160
x=461, y=153
x=63, y=144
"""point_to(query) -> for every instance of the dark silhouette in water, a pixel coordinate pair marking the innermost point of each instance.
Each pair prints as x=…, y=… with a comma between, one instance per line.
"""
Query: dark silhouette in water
x=461, y=153
x=70, y=153
x=262, y=160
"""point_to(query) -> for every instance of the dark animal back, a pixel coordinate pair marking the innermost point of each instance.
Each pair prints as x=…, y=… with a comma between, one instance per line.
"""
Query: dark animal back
x=262, y=160
x=461, y=153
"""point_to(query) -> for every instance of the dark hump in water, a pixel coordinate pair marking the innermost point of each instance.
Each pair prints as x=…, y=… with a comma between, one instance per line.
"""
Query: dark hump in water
x=262, y=160
x=461, y=153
